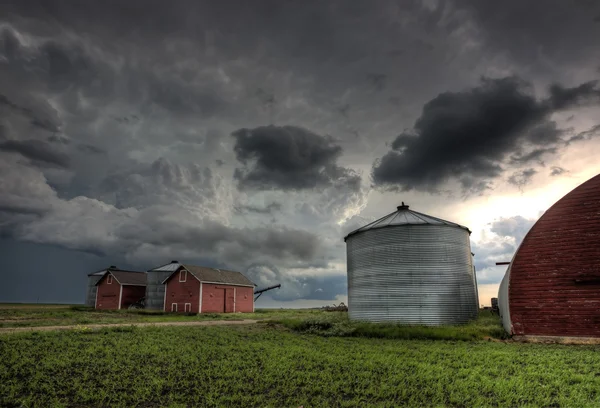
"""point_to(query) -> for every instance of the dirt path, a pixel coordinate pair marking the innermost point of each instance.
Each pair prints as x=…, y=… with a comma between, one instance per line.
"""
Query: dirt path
x=139, y=324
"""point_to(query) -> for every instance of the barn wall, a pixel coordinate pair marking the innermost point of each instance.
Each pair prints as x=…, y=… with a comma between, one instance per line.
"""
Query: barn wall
x=182, y=293
x=214, y=298
x=131, y=294
x=554, y=287
x=244, y=299
x=108, y=295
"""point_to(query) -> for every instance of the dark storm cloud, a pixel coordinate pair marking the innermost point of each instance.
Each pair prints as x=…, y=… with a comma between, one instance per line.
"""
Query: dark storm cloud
x=34, y=118
x=87, y=148
x=287, y=158
x=37, y=151
x=546, y=132
x=561, y=32
x=557, y=171
x=468, y=135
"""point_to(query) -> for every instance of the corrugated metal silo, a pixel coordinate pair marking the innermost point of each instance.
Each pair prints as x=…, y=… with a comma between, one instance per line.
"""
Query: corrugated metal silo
x=411, y=268
x=155, y=290
x=93, y=278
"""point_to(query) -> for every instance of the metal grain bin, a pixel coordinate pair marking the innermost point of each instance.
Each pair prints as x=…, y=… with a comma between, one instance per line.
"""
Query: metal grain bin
x=93, y=278
x=155, y=290
x=411, y=268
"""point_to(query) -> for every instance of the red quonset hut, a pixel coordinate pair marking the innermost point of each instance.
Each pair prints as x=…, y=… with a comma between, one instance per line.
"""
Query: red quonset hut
x=197, y=289
x=118, y=289
x=552, y=286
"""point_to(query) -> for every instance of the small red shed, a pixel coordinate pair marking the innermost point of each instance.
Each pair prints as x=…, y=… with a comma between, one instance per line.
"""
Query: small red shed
x=198, y=289
x=118, y=289
x=552, y=286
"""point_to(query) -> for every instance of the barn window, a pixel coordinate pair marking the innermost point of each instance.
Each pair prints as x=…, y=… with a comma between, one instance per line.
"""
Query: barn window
x=182, y=276
x=173, y=307
x=188, y=307
x=109, y=279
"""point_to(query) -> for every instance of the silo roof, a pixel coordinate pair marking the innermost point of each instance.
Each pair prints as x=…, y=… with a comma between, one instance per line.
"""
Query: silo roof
x=170, y=267
x=404, y=216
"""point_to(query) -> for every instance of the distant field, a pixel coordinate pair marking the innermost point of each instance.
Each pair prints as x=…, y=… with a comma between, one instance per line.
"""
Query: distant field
x=270, y=366
x=30, y=315
x=33, y=306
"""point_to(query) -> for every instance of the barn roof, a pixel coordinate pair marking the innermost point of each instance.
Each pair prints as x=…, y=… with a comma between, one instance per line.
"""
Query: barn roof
x=128, y=277
x=110, y=268
x=214, y=275
x=404, y=216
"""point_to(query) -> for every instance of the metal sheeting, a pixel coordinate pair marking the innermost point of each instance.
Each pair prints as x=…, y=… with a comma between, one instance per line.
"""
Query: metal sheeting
x=503, y=305
x=90, y=298
x=411, y=274
x=155, y=290
x=404, y=216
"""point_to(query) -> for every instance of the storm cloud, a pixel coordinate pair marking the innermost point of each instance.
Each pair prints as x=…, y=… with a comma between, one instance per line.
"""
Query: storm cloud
x=469, y=134
x=287, y=158
x=135, y=134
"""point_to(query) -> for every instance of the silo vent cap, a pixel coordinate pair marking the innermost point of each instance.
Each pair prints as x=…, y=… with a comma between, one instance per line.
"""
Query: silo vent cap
x=112, y=267
x=402, y=207
x=174, y=261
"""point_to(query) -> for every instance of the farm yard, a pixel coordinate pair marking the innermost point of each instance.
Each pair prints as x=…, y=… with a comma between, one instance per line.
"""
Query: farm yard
x=292, y=358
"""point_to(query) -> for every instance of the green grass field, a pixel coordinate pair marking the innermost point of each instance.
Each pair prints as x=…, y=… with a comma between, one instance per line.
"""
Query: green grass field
x=293, y=358
x=263, y=366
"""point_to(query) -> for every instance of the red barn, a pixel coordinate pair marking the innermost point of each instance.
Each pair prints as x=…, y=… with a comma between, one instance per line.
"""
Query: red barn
x=118, y=289
x=197, y=289
x=552, y=286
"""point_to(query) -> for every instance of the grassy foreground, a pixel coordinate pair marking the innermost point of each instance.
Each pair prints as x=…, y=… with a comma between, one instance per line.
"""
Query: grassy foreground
x=262, y=366
x=12, y=315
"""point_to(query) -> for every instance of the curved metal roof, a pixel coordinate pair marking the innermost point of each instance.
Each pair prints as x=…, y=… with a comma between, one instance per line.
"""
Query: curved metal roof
x=404, y=216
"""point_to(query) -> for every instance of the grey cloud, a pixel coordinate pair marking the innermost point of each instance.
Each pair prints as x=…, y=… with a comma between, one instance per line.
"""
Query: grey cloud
x=513, y=227
x=470, y=134
x=546, y=132
x=377, y=81
x=522, y=178
x=50, y=124
x=585, y=135
x=557, y=171
x=508, y=235
x=585, y=94
x=286, y=157
x=269, y=209
x=87, y=148
x=550, y=28
x=533, y=156
x=38, y=151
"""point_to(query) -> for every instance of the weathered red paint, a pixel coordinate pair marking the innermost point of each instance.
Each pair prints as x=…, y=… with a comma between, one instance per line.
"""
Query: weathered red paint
x=554, y=283
x=182, y=293
x=216, y=297
x=219, y=298
x=107, y=296
x=109, y=293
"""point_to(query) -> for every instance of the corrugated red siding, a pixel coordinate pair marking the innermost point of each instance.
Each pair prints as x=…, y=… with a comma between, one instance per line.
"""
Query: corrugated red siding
x=218, y=298
x=131, y=294
x=554, y=287
x=181, y=293
x=108, y=295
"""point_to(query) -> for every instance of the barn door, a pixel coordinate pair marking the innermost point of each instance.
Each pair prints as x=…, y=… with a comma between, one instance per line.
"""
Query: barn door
x=229, y=300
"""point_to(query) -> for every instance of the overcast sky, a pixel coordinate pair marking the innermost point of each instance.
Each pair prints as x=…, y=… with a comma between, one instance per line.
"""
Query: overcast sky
x=254, y=135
